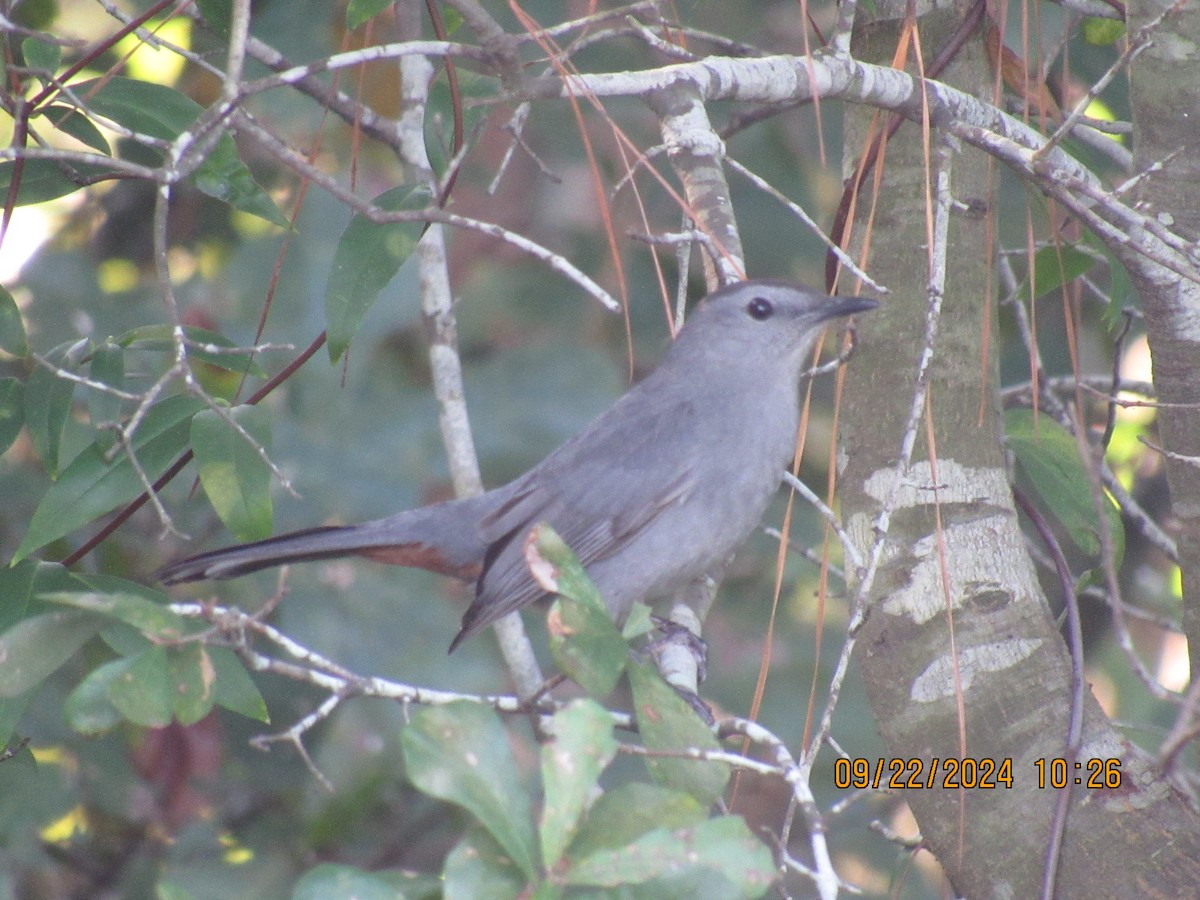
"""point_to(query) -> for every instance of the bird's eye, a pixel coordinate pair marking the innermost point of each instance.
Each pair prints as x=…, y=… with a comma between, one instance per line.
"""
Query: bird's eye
x=760, y=308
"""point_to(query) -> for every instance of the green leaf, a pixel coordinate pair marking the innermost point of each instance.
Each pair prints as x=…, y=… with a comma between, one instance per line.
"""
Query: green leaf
x=668, y=724
x=359, y=11
x=162, y=112
x=586, y=644
x=335, y=880
x=218, y=14
x=582, y=747
x=35, y=647
x=143, y=692
x=91, y=486
x=152, y=619
x=89, y=709
x=16, y=592
x=1055, y=266
x=235, y=478
x=1049, y=455
x=170, y=890
x=12, y=411
x=41, y=55
x=48, y=404
x=107, y=367
x=723, y=848
x=479, y=867
x=192, y=680
x=1102, y=32
x=224, y=176
x=43, y=179
x=367, y=258
x=159, y=338
x=12, y=326
x=22, y=583
x=460, y=753
x=74, y=122
x=11, y=711
x=233, y=687
x=142, y=106
x=624, y=814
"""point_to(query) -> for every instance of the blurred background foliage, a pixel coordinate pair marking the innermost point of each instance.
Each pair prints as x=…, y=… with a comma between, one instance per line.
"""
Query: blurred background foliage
x=196, y=806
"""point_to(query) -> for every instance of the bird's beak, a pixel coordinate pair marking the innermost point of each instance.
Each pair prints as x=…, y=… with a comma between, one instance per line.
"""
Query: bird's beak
x=841, y=307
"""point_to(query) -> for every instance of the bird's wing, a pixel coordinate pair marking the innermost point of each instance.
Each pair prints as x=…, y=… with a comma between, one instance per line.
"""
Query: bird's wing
x=598, y=491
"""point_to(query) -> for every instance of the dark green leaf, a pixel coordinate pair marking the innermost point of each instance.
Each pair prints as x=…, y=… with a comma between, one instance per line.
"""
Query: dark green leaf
x=162, y=112
x=224, y=176
x=460, y=753
x=143, y=692
x=668, y=724
x=48, y=404
x=12, y=326
x=41, y=55
x=1055, y=266
x=367, y=258
x=11, y=711
x=624, y=814
x=35, y=647
x=91, y=486
x=12, y=411
x=218, y=14
x=142, y=106
x=585, y=642
x=1049, y=455
x=359, y=11
x=107, y=367
x=234, y=689
x=722, y=847
x=88, y=709
x=16, y=592
x=71, y=121
x=22, y=583
x=235, y=478
x=44, y=179
x=582, y=746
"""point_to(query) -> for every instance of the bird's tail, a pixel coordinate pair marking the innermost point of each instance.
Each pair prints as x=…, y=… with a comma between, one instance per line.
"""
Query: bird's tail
x=443, y=538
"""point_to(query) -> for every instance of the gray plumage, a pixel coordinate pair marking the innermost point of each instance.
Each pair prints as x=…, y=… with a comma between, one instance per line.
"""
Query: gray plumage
x=655, y=493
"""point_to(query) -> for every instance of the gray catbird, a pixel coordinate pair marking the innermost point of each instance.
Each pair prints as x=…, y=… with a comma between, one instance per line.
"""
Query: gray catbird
x=656, y=493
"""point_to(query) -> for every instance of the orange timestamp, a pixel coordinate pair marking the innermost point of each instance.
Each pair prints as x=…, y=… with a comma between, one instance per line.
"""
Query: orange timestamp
x=983, y=773
x=915, y=773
